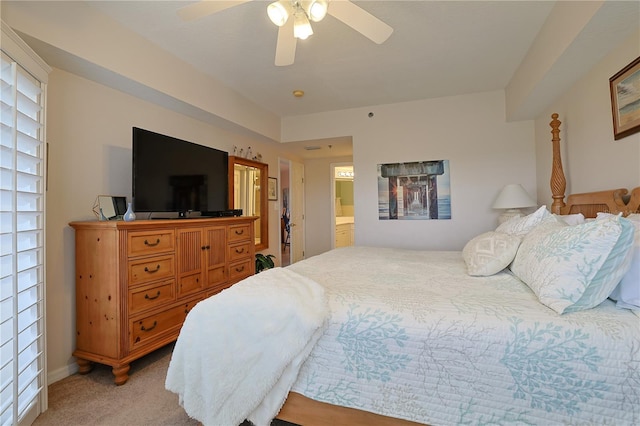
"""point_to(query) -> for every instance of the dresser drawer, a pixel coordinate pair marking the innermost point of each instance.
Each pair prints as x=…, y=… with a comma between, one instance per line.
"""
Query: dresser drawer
x=239, y=233
x=143, y=243
x=190, y=284
x=150, y=296
x=240, y=270
x=153, y=269
x=239, y=251
x=158, y=325
x=216, y=275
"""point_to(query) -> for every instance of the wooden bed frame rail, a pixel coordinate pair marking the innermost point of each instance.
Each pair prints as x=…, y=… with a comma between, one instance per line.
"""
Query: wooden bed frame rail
x=304, y=411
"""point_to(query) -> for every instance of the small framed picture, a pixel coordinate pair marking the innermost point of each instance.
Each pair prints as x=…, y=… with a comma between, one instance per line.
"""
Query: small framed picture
x=625, y=100
x=272, y=190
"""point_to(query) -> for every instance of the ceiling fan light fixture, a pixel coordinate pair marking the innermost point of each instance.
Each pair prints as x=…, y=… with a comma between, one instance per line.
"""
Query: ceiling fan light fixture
x=317, y=10
x=278, y=13
x=301, y=25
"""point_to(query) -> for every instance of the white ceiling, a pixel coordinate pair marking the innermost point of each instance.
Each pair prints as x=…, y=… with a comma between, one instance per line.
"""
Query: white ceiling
x=438, y=48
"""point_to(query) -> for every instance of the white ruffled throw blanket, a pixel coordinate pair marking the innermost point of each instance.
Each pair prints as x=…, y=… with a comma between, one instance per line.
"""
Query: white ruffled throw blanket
x=239, y=352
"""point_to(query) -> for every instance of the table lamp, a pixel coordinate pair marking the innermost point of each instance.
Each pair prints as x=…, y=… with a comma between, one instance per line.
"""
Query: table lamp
x=512, y=198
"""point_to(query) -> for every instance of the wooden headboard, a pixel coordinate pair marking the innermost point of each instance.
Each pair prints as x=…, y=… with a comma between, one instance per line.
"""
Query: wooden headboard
x=589, y=203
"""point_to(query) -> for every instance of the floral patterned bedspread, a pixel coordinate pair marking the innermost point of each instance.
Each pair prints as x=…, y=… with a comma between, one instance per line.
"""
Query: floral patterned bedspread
x=412, y=336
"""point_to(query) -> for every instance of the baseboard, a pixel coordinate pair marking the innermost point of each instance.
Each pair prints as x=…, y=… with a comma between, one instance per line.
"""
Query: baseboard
x=61, y=373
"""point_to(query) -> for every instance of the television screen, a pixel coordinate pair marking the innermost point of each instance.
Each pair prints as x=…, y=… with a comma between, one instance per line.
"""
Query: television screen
x=175, y=176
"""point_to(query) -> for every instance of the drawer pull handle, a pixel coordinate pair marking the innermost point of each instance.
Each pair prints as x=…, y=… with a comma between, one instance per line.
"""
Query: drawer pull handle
x=146, y=296
x=147, y=243
x=152, y=271
x=241, y=250
x=240, y=269
x=143, y=328
x=239, y=232
x=205, y=247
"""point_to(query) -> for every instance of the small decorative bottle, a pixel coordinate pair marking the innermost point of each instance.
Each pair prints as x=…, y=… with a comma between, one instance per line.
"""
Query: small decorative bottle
x=129, y=215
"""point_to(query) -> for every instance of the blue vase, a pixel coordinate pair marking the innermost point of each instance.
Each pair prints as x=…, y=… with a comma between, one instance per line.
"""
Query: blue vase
x=129, y=215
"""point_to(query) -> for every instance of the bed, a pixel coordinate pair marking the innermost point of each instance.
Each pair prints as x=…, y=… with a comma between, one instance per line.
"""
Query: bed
x=398, y=337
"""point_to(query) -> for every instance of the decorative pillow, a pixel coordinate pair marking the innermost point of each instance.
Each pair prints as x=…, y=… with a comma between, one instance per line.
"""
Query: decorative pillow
x=627, y=293
x=571, y=268
x=523, y=225
x=490, y=253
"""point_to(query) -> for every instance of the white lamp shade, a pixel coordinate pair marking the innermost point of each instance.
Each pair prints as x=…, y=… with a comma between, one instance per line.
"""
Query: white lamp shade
x=513, y=196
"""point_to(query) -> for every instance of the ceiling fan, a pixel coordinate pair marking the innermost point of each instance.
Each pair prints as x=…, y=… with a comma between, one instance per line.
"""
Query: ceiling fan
x=293, y=16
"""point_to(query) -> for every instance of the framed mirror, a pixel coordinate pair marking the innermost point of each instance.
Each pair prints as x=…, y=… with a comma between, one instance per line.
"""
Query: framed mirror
x=248, y=191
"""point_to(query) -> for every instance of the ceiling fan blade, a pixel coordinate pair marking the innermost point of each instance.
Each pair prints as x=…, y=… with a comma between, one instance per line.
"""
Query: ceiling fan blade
x=360, y=20
x=205, y=8
x=286, y=45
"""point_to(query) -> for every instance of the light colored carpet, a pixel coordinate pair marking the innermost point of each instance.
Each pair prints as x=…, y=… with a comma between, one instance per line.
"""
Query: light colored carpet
x=94, y=399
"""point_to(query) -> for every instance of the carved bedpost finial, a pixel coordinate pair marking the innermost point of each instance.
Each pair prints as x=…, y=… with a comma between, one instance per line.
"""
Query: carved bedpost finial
x=558, y=181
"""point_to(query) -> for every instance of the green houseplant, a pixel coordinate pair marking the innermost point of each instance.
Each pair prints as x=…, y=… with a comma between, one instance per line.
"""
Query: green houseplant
x=264, y=262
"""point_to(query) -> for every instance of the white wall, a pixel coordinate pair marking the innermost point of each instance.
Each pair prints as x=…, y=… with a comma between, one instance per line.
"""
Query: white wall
x=592, y=159
x=89, y=137
x=470, y=131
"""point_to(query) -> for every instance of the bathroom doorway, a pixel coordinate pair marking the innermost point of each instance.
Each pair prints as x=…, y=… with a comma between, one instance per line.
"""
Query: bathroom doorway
x=343, y=216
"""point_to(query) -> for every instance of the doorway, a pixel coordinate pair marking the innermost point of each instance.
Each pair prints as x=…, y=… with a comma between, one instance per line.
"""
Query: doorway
x=285, y=212
x=343, y=220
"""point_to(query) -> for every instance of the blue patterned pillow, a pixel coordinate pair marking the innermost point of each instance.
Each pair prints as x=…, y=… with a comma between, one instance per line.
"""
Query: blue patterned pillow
x=571, y=268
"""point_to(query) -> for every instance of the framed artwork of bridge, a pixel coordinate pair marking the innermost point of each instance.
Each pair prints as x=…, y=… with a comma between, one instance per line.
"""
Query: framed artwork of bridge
x=418, y=190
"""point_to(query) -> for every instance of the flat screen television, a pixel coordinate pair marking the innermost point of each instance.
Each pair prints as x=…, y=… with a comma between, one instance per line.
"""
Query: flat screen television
x=175, y=176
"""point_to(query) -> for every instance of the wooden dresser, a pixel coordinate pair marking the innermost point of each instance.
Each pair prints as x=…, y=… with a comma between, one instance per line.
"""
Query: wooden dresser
x=137, y=281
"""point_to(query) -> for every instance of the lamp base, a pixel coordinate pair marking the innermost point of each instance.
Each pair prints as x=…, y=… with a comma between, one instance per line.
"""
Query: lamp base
x=508, y=215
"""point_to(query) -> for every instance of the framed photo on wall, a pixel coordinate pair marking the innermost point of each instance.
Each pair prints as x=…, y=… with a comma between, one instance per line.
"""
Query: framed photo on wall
x=625, y=100
x=272, y=190
x=417, y=190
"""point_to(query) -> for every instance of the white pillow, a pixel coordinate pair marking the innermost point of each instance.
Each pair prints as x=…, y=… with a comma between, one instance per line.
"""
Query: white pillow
x=523, y=225
x=627, y=293
x=571, y=219
x=571, y=268
x=490, y=253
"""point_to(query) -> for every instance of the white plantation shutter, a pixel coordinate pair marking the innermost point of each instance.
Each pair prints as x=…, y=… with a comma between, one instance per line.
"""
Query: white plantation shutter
x=22, y=233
